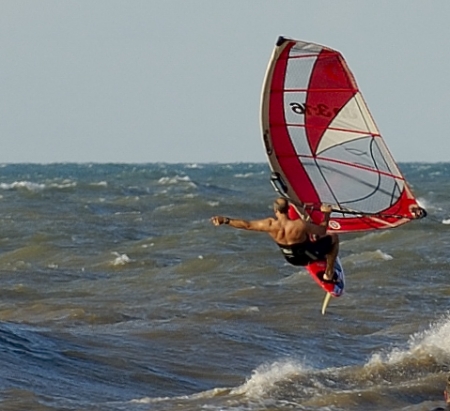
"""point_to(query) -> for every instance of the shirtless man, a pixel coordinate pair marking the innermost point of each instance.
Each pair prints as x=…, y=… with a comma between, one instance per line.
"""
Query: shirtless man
x=294, y=236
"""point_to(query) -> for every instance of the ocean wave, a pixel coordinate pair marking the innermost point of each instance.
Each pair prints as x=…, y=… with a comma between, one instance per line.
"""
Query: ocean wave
x=68, y=184
x=244, y=175
x=289, y=384
x=23, y=185
x=293, y=384
x=194, y=165
x=368, y=256
x=423, y=346
x=266, y=376
x=176, y=180
x=365, y=238
x=36, y=187
x=263, y=379
x=99, y=184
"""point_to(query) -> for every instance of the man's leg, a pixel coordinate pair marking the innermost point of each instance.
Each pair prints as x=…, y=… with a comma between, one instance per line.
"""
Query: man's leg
x=331, y=257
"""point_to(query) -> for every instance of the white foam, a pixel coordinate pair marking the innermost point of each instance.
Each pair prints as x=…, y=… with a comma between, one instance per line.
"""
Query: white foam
x=128, y=212
x=446, y=221
x=121, y=259
x=64, y=184
x=245, y=175
x=175, y=180
x=215, y=392
x=266, y=376
x=23, y=184
x=100, y=184
x=433, y=342
x=35, y=187
x=437, y=336
x=384, y=256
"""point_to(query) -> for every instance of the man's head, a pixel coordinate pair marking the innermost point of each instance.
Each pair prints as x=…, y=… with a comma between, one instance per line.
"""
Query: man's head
x=281, y=205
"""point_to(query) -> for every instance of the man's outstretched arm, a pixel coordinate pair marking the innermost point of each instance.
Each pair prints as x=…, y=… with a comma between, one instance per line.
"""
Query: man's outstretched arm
x=253, y=225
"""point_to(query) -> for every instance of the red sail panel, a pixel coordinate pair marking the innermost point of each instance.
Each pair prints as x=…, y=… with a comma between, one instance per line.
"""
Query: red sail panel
x=330, y=89
x=282, y=144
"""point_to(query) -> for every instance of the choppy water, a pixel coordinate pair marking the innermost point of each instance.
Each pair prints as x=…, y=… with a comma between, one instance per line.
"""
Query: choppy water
x=118, y=294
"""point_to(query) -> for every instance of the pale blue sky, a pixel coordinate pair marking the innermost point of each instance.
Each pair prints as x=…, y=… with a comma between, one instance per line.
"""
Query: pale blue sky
x=180, y=80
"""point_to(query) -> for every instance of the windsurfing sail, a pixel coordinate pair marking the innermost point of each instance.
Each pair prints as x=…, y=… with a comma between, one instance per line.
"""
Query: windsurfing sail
x=323, y=145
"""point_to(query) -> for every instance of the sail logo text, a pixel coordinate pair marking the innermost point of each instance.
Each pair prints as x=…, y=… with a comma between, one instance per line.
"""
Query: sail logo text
x=320, y=110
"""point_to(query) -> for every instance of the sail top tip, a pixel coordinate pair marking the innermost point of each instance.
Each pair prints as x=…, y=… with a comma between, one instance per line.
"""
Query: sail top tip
x=280, y=41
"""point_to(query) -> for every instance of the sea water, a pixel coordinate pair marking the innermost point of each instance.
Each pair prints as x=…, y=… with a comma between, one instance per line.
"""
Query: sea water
x=117, y=293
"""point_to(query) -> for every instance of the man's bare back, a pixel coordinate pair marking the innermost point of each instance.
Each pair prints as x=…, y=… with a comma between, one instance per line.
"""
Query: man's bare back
x=287, y=232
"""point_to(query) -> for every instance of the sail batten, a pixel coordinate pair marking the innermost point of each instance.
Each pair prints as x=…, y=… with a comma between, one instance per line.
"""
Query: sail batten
x=322, y=140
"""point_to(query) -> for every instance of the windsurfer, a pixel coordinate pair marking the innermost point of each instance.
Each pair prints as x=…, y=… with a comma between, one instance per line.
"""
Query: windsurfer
x=294, y=236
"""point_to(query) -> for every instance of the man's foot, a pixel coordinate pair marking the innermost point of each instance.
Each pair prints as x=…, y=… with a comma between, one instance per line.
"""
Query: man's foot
x=329, y=278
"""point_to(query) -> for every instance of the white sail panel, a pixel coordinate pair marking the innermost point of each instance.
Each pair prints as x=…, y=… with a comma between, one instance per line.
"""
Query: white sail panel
x=351, y=123
x=298, y=73
x=300, y=141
